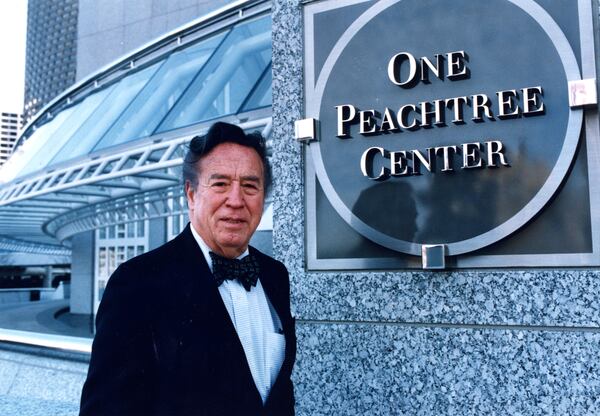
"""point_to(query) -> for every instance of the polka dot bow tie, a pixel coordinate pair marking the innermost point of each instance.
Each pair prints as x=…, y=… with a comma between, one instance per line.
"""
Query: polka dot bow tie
x=245, y=270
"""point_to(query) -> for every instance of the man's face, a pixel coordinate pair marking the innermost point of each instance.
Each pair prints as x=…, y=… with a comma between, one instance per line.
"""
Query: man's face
x=227, y=204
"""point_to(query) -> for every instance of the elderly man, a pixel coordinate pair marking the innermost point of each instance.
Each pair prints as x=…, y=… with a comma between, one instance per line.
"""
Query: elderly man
x=201, y=325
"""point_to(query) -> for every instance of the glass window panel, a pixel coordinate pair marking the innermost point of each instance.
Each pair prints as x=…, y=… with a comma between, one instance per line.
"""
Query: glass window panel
x=262, y=95
x=102, y=233
x=160, y=94
x=96, y=125
x=74, y=118
x=130, y=229
x=102, y=269
x=120, y=230
x=225, y=81
x=130, y=252
x=23, y=161
x=140, y=250
x=111, y=231
x=120, y=255
x=111, y=260
x=141, y=229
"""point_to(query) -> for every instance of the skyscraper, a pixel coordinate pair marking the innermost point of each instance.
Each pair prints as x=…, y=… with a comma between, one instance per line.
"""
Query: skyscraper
x=10, y=124
x=51, y=51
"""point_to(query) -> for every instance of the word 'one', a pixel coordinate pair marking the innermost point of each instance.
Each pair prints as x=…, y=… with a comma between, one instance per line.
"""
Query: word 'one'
x=456, y=68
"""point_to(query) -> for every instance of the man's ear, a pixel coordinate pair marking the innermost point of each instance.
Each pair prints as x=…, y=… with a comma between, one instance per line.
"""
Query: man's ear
x=190, y=193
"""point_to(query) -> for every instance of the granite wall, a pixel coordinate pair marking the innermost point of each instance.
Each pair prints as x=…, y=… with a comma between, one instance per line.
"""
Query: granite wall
x=431, y=343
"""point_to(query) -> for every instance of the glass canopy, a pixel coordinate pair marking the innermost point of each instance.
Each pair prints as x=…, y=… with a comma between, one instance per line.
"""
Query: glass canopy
x=221, y=74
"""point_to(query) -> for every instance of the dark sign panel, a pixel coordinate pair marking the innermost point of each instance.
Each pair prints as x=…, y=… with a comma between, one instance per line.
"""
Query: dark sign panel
x=450, y=134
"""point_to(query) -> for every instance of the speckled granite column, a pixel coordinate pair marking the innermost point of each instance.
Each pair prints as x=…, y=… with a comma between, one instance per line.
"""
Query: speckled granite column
x=451, y=343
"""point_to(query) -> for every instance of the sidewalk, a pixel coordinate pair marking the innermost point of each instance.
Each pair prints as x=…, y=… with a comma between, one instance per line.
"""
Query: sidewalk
x=21, y=406
x=35, y=381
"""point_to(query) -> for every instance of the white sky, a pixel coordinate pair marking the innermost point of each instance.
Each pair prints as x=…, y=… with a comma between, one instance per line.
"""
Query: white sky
x=13, y=24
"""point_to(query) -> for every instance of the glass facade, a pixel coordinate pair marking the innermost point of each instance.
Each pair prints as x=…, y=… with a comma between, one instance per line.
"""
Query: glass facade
x=94, y=127
x=160, y=94
x=177, y=222
x=223, y=73
x=116, y=244
x=62, y=128
x=224, y=83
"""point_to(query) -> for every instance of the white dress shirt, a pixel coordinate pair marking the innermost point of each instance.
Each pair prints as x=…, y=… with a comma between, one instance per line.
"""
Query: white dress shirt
x=257, y=325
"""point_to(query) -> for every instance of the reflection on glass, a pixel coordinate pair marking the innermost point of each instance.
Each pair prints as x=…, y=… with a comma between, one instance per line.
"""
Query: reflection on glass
x=262, y=94
x=160, y=94
x=94, y=127
x=227, y=79
x=26, y=158
x=75, y=117
x=121, y=231
x=130, y=230
x=141, y=229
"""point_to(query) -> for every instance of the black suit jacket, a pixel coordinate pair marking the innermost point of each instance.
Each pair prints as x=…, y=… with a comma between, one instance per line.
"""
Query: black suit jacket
x=165, y=344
